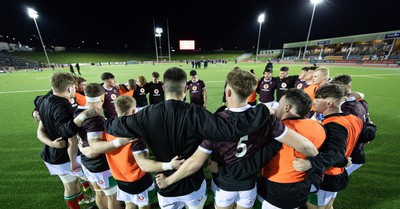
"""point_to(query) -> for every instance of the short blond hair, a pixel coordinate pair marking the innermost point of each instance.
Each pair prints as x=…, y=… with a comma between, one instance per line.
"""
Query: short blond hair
x=123, y=103
x=324, y=71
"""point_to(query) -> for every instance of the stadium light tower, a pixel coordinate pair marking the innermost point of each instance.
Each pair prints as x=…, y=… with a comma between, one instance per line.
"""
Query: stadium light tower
x=158, y=34
x=260, y=20
x=315, y=2
x=33, y=14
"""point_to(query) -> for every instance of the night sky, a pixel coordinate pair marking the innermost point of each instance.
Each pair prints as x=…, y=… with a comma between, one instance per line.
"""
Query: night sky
x=213, y=24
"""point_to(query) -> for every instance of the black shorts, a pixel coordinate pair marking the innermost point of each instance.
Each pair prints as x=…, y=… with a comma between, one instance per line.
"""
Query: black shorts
x=138, y=186
x=284, y=195
x=335, y=183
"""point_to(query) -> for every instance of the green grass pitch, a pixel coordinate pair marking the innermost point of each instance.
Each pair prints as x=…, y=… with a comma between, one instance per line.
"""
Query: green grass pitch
x=26, y=183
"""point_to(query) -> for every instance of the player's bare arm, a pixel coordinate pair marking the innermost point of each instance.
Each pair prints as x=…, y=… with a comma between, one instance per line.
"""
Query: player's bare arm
x=73, y=153
x=99, y=146
x=44, y=138
x=89, y=113
x=191, y=166
x=149, y=165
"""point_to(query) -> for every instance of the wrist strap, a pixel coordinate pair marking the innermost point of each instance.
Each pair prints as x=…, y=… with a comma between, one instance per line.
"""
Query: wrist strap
x=167, y=166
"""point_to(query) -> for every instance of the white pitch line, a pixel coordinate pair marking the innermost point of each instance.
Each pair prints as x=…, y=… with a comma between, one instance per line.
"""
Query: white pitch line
x=12, y=92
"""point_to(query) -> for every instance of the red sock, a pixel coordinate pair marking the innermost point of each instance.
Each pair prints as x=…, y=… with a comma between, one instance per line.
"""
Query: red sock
x=72, y=202
x=85, y=184
x=80, y=195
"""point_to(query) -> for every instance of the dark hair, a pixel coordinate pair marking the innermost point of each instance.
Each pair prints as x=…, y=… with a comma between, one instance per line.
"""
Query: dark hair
x=155, y=75
x=268, y=70
x=330, y=90
x=193, y=73
x=174, y=80
x=132, y=83
x=305, y=68
x=106, y=76
x=252, y=71
x=284, y=69
x=344, y=79
x=312, y=68
x=79, y=80
x=94, y=90
x=300, y=100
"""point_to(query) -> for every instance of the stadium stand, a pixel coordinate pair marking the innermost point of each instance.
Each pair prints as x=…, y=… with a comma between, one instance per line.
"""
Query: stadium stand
x=10, y=62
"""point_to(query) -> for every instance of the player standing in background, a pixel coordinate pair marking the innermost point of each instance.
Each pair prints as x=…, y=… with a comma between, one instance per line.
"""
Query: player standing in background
x=156, y=89
x=266, y=89
x=284, y=82
x=301, y=83
x=111, y=95
x=197, y=90
x=142, y=89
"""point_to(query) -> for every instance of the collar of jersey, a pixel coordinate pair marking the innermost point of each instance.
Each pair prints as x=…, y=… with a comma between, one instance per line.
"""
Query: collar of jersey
x=238, y=109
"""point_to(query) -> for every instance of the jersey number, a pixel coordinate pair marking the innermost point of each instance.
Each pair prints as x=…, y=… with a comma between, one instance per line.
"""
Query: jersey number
x=242, y=145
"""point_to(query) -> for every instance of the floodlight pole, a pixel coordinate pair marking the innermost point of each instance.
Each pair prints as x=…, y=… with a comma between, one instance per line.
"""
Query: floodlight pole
x=155, y=40
x=309, y=31
x=169, y=45
x=41, y=40
x=260, y=20
x=258, y=42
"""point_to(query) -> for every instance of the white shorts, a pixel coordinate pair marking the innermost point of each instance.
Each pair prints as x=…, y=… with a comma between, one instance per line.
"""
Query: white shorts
x=141, y=199
x=103, y=179
x=224, y=198
x=63, y=169
x=352, y=168
x=321, y=198
x=140, y=108
x=273, y=104
x=193, y=200
x=265, y=204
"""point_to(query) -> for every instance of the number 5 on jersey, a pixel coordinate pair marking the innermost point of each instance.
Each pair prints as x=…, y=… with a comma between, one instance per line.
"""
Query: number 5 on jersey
x=242, y=152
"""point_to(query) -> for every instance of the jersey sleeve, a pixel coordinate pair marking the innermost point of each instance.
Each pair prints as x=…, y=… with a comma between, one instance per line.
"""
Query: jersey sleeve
x=126, y=126
x=206, y=146
x=333, y=149
x=94, y=128
x=279, y=130
x=139, y=146
x=64, y=121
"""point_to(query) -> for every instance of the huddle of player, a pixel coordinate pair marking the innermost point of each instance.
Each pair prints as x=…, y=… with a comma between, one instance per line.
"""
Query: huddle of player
x=237, y=142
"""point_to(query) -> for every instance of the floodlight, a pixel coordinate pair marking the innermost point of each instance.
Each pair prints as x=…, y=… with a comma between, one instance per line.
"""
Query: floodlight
x=261, y=18
x=315, y=1
x=32, y=13
x=159, y=30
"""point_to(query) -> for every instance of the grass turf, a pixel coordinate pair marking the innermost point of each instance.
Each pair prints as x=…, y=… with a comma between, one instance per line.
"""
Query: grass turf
x=26, y=182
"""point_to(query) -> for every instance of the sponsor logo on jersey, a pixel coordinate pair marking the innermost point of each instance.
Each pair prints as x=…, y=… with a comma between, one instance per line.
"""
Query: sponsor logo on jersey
x=283, y=85
x=142, y=90
x=113, y=96
x=300, y=85
x=156, y=91
x=200, y=198
x=194, y=88
x=266, y=86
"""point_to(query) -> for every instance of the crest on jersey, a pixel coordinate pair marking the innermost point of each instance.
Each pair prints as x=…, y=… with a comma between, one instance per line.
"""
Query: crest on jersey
x=300, y=85
x=194, y=88
x=72, y=100
x=113, y=96
x=200, y=198
x=100, y=182
x=156, y=91
x=283, y=85
x=142, y=90
x=141, y=198
x=266, y=86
